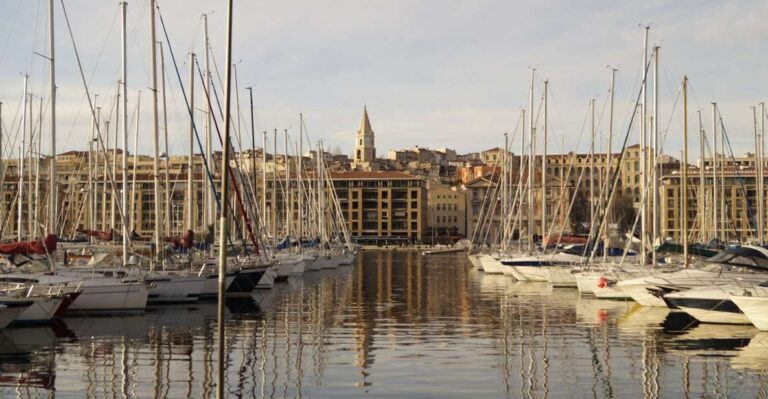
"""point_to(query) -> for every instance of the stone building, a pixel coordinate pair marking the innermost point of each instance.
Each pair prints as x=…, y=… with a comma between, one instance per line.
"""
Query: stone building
x=383, y=207
x=447, y=214
x=364, y=157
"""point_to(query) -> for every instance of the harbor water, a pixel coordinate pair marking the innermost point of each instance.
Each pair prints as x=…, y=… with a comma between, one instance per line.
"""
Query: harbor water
x=395, y=324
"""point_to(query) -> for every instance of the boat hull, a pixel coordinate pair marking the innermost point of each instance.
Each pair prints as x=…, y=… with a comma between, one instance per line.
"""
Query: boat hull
x=755, y=308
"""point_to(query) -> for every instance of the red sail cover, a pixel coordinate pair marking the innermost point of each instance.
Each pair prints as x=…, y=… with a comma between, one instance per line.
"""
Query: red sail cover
x=566, y=239
x=100, y=234
x=47, y=245
x=183, y=241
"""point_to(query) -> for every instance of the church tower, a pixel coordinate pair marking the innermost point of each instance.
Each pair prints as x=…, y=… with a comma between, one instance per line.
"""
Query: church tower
x=365, y=152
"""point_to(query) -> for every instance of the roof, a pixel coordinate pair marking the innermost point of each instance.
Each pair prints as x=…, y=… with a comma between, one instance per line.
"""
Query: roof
x=365, y=124
x=361, y=175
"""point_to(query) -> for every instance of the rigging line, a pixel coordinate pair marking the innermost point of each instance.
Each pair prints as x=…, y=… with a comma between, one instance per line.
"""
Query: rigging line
x=194, y=125
x=742, y=188
x=619, y=161
x=93, y=114
x=10, y=145
x=11, y=29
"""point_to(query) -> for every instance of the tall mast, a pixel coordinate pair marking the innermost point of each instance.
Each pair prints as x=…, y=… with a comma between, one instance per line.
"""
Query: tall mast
x=655, y=157
x=504, y=195
x=760, y=179
x=191, y=160
x=531, y=156
x=592, y=165
x=254, y=176
x=723, y=210
x=224, y=211
x=54, y=214
x=610, y=153
x=701, y=208
x=208, y=203
x=520, y=176
x=264, y=178
x=167, y=183
x=287, y=191
x=715, y=176
x=684, y=174
x=643, y=150
x=135, y=163
x=156, y=136
x=124, y=199
x=273, y=209
x=113, y=195
x=544, y=169
x=23, y=154
x=2, y=170
x=299, y=168
x=38, y=151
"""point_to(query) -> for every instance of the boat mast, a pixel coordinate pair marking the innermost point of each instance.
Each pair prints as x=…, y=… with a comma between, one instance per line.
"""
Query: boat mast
x=592, y=165
x=655, y=158
x=135, y=163
x=273, y=209
x=519, y=179
x=224, y=211
x=208, y=197
x=610, y=156
x=2, y=171
x=760, y=181
x=23, y=154
x=53, y=207
x=254, y=176
x=156, y=137
x=684, y=174
x=191, y=161
x=286, y=192
x=544, y=171
x=643, y=150
x=299, y=168
x=531, y=154
x=38, y=151
x=167, y=184
x=264, y=179
x=504, y=196
x=124, y=79
x=113, y=195
x=715, y=176
x=701, y=208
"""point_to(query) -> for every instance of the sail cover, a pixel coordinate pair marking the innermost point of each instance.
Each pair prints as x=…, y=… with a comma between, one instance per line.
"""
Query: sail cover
x=41, y=247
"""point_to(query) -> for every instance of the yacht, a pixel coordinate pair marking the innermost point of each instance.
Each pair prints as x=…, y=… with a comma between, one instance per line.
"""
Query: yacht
x=753, y=302
x=742, y=266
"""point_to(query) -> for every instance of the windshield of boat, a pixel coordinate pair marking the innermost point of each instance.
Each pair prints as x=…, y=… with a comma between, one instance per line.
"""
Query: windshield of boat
x=741, y=256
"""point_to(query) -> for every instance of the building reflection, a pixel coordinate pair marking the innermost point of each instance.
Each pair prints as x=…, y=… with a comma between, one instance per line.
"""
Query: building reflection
x=386, y=324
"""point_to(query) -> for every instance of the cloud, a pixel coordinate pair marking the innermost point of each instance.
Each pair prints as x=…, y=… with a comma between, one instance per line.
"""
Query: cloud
x=431, y=74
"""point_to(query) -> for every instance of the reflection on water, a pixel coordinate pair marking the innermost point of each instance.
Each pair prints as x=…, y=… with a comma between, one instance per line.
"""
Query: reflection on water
x=395, y=324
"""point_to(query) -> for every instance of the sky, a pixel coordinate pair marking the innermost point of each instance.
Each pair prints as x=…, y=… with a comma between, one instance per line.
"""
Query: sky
x=432, y=73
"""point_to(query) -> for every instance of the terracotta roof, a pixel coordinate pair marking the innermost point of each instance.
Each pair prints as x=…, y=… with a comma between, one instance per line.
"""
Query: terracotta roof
x=372, y=176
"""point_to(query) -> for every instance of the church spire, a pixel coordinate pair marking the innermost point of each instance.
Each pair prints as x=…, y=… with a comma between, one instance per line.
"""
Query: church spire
x=365, y=151
x=365, y=124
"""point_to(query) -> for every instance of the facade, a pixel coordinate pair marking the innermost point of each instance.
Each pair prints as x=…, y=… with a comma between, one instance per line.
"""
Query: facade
x=733, y=217
x=447, y=214
x=382, y=207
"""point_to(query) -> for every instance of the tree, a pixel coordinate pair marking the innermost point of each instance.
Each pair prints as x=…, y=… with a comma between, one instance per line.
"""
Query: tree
x=579, y=216
x=624, y=212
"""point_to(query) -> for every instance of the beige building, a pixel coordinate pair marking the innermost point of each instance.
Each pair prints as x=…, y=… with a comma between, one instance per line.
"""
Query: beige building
x=736, y=206
x=383, y=207
x=447, y=214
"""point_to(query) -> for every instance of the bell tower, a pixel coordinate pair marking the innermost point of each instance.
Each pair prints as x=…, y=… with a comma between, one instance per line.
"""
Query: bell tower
x=365, y=151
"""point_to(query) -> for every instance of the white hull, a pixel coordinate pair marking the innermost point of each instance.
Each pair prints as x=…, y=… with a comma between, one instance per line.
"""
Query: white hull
x=640, y=294
x=42, y=310
x=211, y=285
x=490, y=264
x=755, y=308
x=110, y=296
x=560, y=276
x=174, y=288
x=287, y=267
x=715, y=317
x=530, y=273
x=346, y=259
x=267, y=280
x=474, y=261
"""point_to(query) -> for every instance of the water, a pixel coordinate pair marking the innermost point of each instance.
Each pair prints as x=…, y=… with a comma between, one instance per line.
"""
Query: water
x=394, y=325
